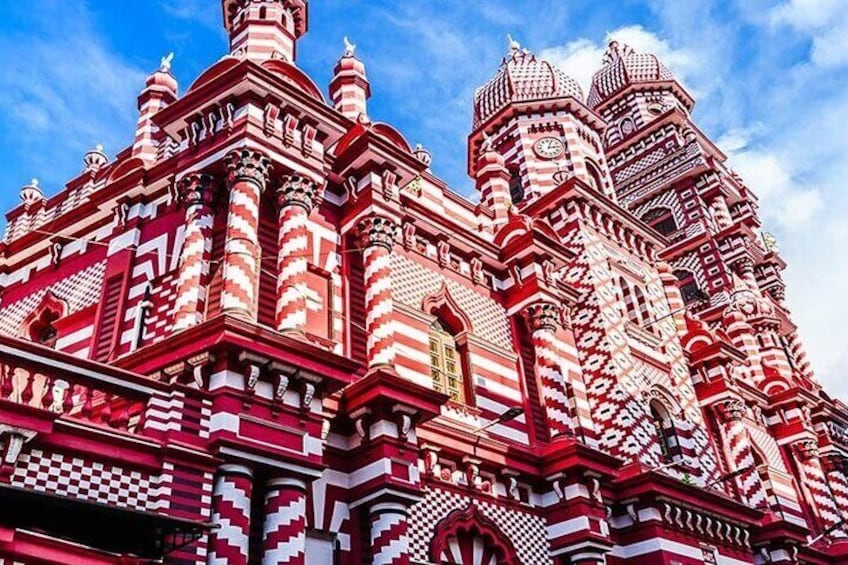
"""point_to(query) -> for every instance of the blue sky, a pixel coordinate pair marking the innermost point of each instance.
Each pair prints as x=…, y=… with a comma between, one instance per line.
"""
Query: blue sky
x=769, y=77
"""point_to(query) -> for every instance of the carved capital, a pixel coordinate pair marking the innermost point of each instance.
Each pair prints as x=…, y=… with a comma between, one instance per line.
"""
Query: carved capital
x=247, y=165
x=198, y=189
x=744, y=266
x=377, y=231
x=778, y=292
x=806, y=449
x=835, y=462
x=296, y=190
x=731, y=410
x=543, y=316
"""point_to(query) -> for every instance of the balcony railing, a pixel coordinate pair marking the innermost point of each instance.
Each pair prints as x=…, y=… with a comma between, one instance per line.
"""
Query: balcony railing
x=43, y=379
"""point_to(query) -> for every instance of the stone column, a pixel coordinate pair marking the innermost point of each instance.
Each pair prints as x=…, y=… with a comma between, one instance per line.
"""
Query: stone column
x=737, y=449
x=231, y=513
x=389, y=539
x=284, y=532
x=815, y=484
x=198, y=192
x=377, y=236
x=296, y=198
x=247, y=177
x=542, y=320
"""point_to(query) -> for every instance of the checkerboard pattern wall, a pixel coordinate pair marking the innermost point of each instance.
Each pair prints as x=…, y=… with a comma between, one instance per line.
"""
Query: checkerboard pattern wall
x=525, y=530
x=63, y=475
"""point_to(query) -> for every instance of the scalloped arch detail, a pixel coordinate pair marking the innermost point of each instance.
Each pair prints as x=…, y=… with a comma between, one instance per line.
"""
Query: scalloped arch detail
x=470, y=521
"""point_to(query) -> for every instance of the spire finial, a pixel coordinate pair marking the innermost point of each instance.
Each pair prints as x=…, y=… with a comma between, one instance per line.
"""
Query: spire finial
x=513, y=44
x=165, y=64
x=350, y=48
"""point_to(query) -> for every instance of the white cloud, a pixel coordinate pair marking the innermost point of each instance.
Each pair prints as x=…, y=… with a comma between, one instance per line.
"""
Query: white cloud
x=582, y=57
x=825, y=21
x=66, y=92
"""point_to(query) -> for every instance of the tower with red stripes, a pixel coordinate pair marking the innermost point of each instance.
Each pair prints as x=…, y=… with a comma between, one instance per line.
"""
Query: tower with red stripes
x=266, y=332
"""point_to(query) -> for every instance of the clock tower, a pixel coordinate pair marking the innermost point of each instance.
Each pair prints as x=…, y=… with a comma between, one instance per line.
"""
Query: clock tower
x=535, y=117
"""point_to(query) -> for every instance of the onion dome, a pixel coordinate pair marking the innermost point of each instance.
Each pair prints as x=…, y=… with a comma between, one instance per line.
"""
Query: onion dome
x=522, y=77
x=622, y=67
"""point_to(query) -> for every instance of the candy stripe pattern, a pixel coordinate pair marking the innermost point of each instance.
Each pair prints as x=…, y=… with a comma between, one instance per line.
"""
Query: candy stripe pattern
x=543, y=319
x=284, y=531
x=389, y=539
x=738, y=449
x=197, y=192
x=377, y=235
x=295, y=198
x=231, y=503
x=247, y=178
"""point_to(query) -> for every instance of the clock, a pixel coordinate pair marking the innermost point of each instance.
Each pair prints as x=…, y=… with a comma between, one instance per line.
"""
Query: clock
x=549, y=147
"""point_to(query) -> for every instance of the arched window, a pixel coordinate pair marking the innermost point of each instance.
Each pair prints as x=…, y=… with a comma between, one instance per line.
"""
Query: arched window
x=446, y=363
x=661, y=219
x=516, y=188
x=594, y=176
x=642, y=305
x=635, y=305
x=689, y=290
x=664, y=428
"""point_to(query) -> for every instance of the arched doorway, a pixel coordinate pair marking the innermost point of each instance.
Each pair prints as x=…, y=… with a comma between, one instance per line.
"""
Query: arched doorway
x=467, y=537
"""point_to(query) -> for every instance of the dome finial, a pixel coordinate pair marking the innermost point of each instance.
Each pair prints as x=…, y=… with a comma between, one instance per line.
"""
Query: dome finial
x=165, y=63
x=513, y=44
x=350, y=48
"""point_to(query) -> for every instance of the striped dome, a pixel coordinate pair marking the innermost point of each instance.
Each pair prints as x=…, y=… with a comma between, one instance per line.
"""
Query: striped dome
x=623, y=67
x=522, y=77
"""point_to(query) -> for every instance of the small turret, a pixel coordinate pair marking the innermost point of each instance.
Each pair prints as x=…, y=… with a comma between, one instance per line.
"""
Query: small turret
x=31, y=194
x=94, y=160
x=161, y=91
x=265, y=29
x=493, y=183
x=349, y=88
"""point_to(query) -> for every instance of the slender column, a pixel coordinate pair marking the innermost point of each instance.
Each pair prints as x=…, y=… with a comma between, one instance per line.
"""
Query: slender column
x=720, y=212
x=738, y=452
x=231, y=513
x=197, y=191
x=296, y=198
x=247, y=177
x=284, y=532
x=815, y=484
x=799, y=354
x=835, y=466
x=543, y=319
x=389, y=539
x=377, y=235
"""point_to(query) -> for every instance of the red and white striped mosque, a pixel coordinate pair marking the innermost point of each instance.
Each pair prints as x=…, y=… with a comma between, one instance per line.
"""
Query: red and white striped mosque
x=265, y=333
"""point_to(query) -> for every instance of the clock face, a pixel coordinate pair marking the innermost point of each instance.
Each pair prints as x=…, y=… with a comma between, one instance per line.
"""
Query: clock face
x=549, y=148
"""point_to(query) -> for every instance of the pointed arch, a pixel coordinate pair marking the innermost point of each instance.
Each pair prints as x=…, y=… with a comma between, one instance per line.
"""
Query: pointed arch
x=450, y=366
x=466, y=529
x=443, y=305
x=39, y=326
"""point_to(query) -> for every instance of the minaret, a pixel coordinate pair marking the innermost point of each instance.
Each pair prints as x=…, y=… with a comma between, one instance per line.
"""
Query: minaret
x=349, y=88
x=265, y=29
x=492, y=182
x=161, y=90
